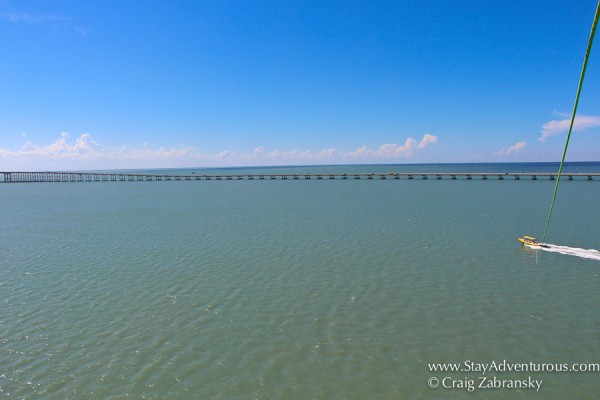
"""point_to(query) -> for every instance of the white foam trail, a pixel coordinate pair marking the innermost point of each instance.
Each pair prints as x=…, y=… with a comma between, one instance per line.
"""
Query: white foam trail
x=590, y=254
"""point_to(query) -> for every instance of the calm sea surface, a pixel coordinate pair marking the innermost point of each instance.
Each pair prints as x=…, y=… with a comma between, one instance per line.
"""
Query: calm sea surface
x=301, y=289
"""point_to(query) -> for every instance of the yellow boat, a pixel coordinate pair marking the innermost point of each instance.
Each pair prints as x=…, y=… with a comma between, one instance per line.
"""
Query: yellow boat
x=530, y=241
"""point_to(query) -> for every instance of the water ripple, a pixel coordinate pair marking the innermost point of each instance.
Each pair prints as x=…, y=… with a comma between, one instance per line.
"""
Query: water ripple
x=274, y=290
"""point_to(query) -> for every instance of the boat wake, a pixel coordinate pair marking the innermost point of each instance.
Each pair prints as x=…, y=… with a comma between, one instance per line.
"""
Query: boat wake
x=590, y=254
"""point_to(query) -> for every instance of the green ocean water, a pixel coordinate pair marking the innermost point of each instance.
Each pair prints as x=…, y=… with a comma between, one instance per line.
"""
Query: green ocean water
x=293, y=289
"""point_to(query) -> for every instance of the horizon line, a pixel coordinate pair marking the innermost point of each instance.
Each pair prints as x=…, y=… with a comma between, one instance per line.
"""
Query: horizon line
x=303, y=165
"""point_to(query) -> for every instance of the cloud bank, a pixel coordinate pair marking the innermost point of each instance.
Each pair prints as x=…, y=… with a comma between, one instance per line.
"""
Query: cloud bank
x=557, y=127
x=84, y=152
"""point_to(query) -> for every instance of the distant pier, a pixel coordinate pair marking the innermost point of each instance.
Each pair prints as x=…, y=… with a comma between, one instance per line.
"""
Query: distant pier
x=30, y=177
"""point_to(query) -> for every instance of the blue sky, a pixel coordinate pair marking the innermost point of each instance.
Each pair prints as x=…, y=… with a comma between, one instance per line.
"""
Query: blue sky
x=128, y=84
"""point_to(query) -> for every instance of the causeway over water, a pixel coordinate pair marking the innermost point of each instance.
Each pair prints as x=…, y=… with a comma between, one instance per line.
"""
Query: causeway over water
x=53, y=176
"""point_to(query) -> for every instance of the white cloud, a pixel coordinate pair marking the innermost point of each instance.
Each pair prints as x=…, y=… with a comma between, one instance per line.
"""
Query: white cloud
x=393, y=150
x=149, y=154
x=361, y=152
x=387, y=151
x=225, y=154
x=514, y=149
x=258, y=151
x=84, y=152
x=427, y=139
x=42, y=19
x=84, y=147
x=326, y=153
x=298, y=155
x=29, y=18
x=557, y=127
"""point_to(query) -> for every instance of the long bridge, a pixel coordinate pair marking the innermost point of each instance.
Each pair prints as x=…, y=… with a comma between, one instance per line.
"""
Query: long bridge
x=29, y=177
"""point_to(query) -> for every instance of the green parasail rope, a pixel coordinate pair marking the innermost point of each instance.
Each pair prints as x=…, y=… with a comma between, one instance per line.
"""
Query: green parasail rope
x=585, y=60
